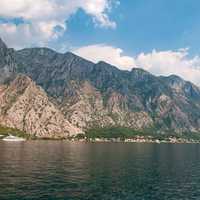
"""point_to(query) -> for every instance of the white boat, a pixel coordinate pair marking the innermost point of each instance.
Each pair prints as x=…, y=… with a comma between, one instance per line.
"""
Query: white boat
x=12, y=138
x=158, y=141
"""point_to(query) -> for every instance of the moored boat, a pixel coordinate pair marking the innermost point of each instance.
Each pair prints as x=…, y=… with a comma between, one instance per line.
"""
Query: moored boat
x=12, y=138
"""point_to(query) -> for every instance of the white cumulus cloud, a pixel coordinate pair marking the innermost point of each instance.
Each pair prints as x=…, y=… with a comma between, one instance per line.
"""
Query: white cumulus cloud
x=171, y=62
x=102, y=52
x=157, y=62
x=41, y=17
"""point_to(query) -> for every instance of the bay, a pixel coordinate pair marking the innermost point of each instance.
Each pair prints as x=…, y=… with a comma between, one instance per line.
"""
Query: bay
x=60, y=170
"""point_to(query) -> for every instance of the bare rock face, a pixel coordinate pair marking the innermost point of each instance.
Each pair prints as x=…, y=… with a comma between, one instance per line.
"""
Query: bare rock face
x=87, y=108
x=25, y=106
x=7, y=63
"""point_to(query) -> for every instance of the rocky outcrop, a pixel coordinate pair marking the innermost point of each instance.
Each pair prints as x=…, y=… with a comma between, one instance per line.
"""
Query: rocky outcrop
x=25, y=106
x=87, y=108
x=7, y=63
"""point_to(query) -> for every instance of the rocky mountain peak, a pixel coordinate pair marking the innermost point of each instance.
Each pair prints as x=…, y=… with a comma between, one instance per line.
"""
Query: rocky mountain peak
x=7, y=63
x=138, y=74
x=175, y=81
x=106, y=67
x=182, y=87
x=3, y=51
x=2, y=44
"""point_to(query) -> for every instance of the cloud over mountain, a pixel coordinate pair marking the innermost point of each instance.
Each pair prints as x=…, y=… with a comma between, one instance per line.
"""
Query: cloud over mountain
x=38, y=21
x=112, y=55
x=158, y=62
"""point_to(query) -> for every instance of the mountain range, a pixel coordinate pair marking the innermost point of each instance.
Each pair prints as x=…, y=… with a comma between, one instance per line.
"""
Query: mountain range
x=50, y=94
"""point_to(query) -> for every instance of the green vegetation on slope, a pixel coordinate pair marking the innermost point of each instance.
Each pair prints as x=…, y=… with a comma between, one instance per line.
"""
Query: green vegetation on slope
x=5, y=131
x=113, y=132
x=123, y=132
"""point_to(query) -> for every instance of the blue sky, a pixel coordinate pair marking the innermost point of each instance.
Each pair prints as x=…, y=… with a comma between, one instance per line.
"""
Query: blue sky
x=143, y=25
x=161, y=36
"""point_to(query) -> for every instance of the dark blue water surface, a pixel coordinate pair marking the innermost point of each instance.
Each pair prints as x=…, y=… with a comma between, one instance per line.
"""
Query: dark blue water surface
x=59, y=170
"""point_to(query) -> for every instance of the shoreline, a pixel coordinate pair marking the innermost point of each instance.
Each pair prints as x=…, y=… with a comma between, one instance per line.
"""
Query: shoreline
x=138, y=142
x=180, y=141
x=137, y=139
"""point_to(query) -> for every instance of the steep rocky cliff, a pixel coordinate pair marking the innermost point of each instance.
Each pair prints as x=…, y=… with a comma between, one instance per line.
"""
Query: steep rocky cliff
x=90, y=95
x=7, y=63
x=25, y=106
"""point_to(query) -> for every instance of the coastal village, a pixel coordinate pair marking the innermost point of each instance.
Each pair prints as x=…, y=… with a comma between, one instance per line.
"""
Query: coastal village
x=137, y=139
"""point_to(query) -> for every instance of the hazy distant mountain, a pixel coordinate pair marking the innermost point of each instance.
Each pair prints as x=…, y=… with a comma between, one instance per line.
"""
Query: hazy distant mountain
x=99, y=95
